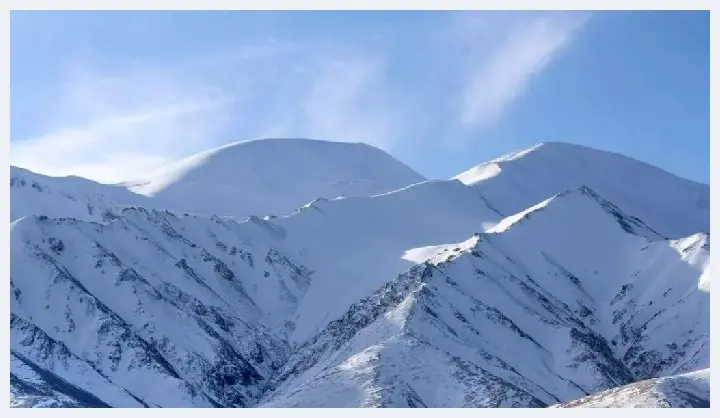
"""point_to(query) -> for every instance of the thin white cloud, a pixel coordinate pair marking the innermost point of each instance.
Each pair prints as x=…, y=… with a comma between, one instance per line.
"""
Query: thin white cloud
x=345, y=103
x=528, y=48
x=126, y=127
x=331, y=95
x=116, y=128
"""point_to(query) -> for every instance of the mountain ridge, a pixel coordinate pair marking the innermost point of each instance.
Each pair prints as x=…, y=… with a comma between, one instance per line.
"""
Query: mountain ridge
x=522, y=178
x=418, y=279
x=333, y=302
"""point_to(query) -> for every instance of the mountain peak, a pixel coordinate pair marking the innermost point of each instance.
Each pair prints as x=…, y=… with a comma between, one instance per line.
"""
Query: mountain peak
x=585, y=204
x=273, y=176
x=677, y=207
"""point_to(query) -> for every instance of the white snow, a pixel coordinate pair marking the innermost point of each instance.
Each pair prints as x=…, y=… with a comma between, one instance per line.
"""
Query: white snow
x=272, y=177
x=674, y=206
x=572, y=236
x=336, y=239
x=65, y=197
x=357, y=244
x=680, y=391
x=495, y=324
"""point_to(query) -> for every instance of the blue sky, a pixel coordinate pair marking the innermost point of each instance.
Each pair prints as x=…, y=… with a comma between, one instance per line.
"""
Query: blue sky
x=111, y=95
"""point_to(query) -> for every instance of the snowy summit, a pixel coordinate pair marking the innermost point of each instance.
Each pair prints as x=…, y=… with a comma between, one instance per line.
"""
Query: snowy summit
x=272, y=177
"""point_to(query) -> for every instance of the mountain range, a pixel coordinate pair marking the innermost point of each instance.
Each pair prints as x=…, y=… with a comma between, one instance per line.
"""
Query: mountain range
x=304, y=273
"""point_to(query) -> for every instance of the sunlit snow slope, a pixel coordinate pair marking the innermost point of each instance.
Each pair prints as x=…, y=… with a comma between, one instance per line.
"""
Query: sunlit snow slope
x=273, y=177
x=689, y=390
x=65, y=197
x=676, y=207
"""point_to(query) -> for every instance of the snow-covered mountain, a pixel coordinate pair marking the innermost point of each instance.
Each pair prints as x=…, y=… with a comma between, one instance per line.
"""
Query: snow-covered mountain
x=688, y=390
x=676, y=207
x=272, y=177
x=269, y=177
x=187, y=303
x=545, y=308
x=356, y=244
x=118, y=301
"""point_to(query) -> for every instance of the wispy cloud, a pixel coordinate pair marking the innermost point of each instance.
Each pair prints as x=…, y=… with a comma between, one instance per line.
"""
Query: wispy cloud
x=124, y=127
x=115, y=128
x=116, y=148
x=343, y=104
x=528, y=48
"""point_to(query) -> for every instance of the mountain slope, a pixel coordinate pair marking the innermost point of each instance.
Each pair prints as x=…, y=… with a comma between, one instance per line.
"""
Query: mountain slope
x=152, y=308
x=272, y=177
x=676, y=207
x=356, y=244
x=136, y=313
x=520, y=317
x=66, y=197
x=689, y=390
x=155, y=309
